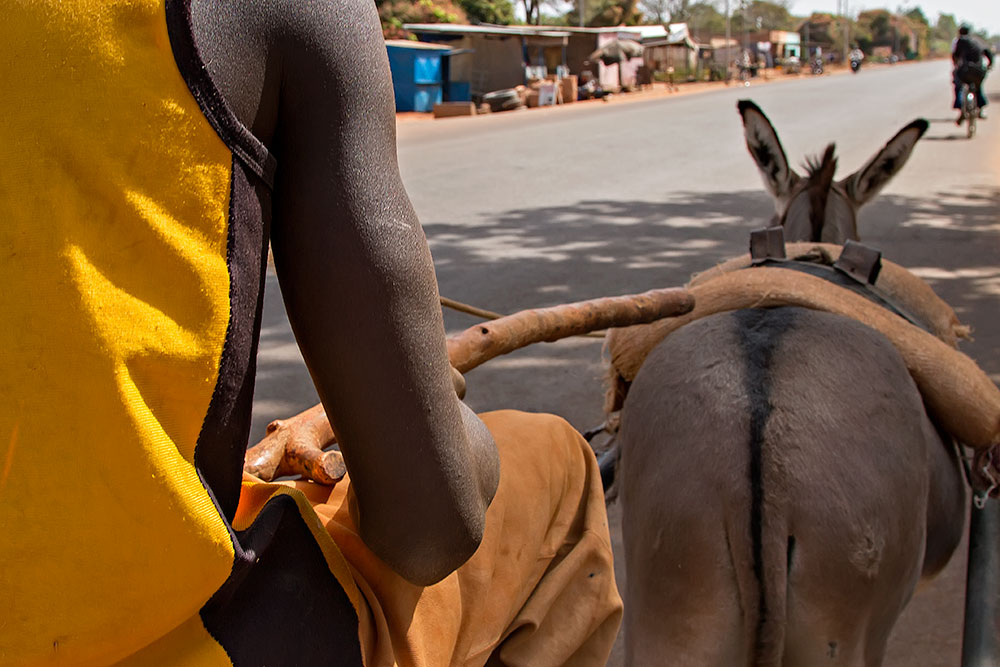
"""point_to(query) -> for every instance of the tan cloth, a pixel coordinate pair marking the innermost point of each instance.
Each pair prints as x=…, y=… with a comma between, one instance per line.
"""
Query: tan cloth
x=539, y=591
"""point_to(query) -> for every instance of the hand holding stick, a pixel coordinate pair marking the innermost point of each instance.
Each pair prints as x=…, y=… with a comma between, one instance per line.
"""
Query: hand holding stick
x=295, y=445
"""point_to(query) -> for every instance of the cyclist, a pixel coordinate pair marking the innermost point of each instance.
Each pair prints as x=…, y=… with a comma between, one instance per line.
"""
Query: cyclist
x=856, y=57
x=967, y=53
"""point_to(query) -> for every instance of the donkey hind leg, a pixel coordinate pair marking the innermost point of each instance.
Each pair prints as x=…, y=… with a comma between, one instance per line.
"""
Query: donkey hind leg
x=839, y=616
x=683, y=487
x=855, y=553
x=682, y=604
x=946, y=503
x=854, y=470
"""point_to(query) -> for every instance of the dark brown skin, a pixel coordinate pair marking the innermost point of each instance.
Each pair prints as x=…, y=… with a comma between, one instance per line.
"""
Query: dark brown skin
x=311, y=80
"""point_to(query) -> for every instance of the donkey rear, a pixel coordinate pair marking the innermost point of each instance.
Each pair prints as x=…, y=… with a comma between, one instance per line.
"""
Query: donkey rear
x=783, y=492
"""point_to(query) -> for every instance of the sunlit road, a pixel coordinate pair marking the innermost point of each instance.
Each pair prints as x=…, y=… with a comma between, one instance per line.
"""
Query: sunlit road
x=539, y=207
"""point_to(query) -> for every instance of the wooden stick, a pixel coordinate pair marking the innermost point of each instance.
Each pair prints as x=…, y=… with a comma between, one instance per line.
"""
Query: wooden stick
x=490, y=315
x=295, y=446
x=478, y=344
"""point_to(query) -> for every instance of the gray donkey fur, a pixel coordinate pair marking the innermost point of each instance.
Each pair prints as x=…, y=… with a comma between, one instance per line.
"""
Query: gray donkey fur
x=783, y=489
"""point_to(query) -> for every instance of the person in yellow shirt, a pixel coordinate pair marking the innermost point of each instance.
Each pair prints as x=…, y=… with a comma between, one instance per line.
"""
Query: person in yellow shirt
x=155, y=148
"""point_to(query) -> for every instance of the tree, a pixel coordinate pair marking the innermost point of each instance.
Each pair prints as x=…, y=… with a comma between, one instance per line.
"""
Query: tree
x=921, y=30
x=825, y=31
x=680, y=10
x=395, y=13
x=532, y=11
x=534, y=16
x=946, y=28
x=612, y=12
x=705, y=21
x=761, y=15
x=656, y=11
x=874, y=28
x=916, y=14
x=772, y=15
x=500, y=12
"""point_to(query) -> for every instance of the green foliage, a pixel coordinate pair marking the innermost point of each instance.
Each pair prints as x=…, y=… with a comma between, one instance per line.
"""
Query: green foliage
x=655, y=11
x=917, y=15
x=394, y=13
x=705, y=21
x=877, y=27
x=500, y=12
x=679, y=10
x=946, y=28
x=921, y=31
x=605, y=13
x=943, y=31
x=760, y=15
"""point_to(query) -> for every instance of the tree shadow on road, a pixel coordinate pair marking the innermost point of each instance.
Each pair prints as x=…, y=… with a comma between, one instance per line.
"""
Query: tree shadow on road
x=529, y=257
x=524, y=258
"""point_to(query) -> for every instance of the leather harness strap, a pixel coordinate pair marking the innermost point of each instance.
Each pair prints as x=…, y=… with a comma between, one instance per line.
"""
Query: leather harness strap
x=856, y=269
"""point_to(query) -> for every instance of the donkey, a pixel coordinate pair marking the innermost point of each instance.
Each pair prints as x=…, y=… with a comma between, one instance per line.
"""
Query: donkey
x=783, y=489
x=814, y=207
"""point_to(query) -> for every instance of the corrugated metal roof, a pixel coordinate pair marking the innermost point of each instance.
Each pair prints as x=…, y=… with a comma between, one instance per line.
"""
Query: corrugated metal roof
x=642, y=31
x=650, y=31
x=591, y=31
x=411, y=44
x=460, y=29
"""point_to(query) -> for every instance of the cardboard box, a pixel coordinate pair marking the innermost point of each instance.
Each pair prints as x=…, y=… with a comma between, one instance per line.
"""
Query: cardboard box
x=570, y=88
x=452, y=109
x=548, y=94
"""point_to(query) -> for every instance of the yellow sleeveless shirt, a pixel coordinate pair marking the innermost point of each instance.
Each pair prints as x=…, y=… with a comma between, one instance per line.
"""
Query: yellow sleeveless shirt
x=126, y=345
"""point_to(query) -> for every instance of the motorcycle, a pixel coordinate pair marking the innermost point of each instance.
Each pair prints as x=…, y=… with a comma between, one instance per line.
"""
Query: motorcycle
x=855, y=65
x=816, y=66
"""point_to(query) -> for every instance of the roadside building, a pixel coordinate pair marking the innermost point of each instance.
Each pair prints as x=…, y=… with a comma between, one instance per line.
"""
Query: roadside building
x=821, y=36
x=496, y=57
x=774, y=47
x=674, y=49
x=583, y=42
x=420, y=75
x=725, y=53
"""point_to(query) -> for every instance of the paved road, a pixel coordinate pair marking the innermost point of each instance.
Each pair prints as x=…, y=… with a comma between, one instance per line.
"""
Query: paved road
x=533, y=208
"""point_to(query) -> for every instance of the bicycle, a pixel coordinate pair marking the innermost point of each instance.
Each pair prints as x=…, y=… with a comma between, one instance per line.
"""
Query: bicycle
x=970, y=107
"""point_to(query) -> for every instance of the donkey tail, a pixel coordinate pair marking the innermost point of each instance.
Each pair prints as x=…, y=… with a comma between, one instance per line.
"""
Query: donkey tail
x=770, y=615
x=763, y=580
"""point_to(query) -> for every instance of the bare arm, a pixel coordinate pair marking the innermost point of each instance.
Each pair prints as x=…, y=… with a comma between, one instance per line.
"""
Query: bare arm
x=360, y=290
x=359, y=285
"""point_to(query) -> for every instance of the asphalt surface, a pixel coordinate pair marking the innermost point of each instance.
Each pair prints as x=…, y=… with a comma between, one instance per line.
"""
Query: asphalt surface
x=539, y=207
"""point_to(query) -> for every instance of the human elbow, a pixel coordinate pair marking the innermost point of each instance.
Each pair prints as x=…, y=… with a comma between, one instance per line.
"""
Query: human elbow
x=426, y=549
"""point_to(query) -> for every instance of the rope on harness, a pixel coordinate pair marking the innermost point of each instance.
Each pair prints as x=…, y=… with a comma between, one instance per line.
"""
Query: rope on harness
x=985, y=481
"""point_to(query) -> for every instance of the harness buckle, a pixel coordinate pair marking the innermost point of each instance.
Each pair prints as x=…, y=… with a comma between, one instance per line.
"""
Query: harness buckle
x=767, y=244
x=860, y=262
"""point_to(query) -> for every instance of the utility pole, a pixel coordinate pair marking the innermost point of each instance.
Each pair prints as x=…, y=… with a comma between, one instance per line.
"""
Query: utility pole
x=729, y=52
x=847, y=28
x=581, y=5
x=746, y=25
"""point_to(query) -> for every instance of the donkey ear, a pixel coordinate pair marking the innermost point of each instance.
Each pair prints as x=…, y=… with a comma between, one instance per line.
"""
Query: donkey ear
x=766, y=150
x=865, y=183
